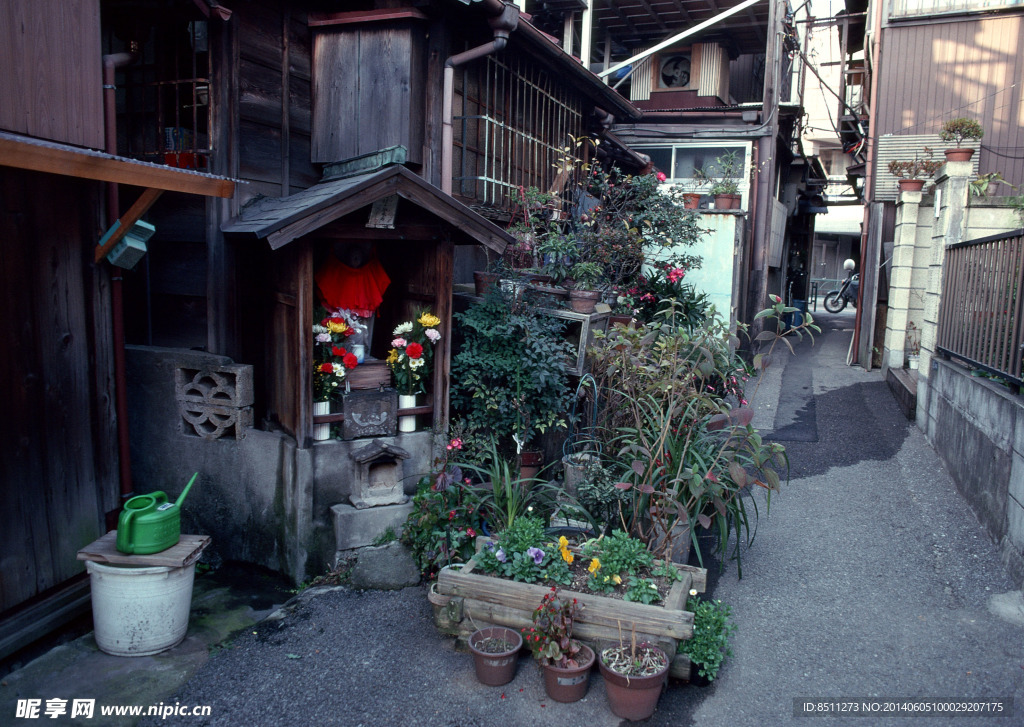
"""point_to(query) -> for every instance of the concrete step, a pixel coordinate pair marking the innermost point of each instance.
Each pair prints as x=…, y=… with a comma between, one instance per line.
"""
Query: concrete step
x=903, y=384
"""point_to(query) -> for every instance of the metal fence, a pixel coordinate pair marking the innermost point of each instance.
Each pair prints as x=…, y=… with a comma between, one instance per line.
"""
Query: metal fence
x=981, y=317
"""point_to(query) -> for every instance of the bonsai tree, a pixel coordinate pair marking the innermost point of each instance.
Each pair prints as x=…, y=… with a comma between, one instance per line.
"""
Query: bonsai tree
x=915, y=169
x=958, y=130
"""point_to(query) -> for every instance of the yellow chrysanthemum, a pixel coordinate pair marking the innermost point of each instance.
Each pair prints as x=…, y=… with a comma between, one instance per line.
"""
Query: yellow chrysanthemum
x=336, y=325
x=595, y=565
x=392, y=356
x=428, y=320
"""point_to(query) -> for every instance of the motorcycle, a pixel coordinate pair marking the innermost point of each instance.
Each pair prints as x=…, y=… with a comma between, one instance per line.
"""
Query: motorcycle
x=836, y=300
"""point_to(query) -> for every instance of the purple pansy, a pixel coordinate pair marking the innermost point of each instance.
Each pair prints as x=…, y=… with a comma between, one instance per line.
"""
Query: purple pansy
x=537, y=554
x=500, y=555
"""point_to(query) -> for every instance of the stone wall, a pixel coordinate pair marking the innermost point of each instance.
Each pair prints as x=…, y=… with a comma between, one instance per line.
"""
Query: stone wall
x=262, y=499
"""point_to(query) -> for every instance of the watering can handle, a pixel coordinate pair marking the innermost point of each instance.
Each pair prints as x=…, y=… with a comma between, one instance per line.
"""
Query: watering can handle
x=124, y=530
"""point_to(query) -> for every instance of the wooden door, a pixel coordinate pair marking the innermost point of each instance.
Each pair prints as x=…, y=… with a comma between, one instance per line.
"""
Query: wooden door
x=290, y=340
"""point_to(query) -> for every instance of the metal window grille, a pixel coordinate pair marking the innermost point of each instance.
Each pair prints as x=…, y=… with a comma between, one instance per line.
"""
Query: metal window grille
x=515, y=119
x=981, y=317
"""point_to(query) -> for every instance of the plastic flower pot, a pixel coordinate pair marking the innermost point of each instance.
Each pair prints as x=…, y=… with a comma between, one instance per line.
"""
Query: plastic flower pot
x=634, y=697
x=569, y=684
x=495, y=668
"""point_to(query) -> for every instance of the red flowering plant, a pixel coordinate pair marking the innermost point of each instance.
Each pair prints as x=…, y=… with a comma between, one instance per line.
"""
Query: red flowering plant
x=330, y=360
x=412, y=350
x=446, y=514
x=660, y=282
x=550, y=638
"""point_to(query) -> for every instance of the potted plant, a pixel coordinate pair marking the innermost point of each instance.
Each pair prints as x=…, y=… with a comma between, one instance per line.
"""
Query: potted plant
x=710, y=643
x=958, y=130
x=701, y=178
x=409, y=361
x=633, y=678
x=913, y=346
x=584, y=296
x=726, y=186
x=911, y=175
x=495, y=654
x=565, y=661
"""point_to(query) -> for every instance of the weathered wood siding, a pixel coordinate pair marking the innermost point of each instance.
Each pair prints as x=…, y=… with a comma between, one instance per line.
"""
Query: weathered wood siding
x=57, y=449
x=51, y=84
x=932, y=72
x=358, y=110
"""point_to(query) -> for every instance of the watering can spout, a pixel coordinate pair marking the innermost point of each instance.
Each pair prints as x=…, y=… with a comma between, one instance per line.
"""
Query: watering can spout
x=181, y=497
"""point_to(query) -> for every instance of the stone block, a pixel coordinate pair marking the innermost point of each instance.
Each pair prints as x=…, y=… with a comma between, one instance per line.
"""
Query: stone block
x=358, y=528
x=215, y=401
x=370, y=414
x=1015, y=524
x=384, y=567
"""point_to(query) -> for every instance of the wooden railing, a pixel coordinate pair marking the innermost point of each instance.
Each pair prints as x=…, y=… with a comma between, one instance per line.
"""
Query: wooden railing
x=981, y=316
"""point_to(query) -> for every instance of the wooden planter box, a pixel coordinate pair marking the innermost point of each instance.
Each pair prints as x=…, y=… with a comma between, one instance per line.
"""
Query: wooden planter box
x=465, y=601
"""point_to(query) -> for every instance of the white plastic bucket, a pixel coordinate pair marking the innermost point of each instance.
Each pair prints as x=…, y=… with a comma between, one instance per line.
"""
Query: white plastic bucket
x=140, y=611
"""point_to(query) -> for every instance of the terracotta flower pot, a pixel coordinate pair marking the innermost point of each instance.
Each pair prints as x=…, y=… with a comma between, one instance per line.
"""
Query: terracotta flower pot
x=497, y=668
x=570, y=684
x=584, y=301
x=691, y=200
x=910, y=185
x=727, y=201
x=483, y=281
x=633, y=698
x=958, y=155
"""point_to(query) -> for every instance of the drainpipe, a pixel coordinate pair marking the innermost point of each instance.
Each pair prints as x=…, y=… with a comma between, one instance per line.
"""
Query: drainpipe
x=502, y=24
x=110, y=65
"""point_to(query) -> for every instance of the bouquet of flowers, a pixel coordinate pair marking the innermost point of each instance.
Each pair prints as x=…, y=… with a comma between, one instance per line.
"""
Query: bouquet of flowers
x=412, y=351
x=330, y=360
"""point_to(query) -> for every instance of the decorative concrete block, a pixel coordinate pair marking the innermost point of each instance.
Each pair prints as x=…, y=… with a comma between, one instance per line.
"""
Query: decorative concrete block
x=215, y=402
x=358, y=528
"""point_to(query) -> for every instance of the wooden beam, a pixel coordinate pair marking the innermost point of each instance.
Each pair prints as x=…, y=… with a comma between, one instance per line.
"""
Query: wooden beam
x=129, y=218
x=322, y=20
x=61, y=159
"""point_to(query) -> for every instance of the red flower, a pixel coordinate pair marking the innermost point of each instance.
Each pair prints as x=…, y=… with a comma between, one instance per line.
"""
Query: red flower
x=472, y=532
x=414, y=350
x=350, y=360
x=327, y=368
x=338, y=351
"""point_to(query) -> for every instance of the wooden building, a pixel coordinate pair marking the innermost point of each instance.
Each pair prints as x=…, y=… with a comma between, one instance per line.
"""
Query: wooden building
x=254, y=137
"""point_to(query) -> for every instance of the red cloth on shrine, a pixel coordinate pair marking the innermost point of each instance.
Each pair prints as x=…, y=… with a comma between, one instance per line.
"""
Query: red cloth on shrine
x=360, y=290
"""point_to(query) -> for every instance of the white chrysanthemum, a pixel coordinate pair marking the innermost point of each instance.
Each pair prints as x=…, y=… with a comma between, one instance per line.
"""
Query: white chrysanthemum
x=433, y=335
x=415, y=363
x=402, y=329
x=317, y=328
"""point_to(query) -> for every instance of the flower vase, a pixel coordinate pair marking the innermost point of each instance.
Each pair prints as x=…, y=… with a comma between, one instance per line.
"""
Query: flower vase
x=321, y=431
x=407, y=423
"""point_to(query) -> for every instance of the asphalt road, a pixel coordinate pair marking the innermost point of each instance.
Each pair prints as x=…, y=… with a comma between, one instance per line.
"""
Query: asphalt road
x=870, y=583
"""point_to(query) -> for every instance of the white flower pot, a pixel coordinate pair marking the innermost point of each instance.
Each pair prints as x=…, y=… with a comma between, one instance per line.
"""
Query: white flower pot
x=913, y=362
x=321, y=431
x=406, y=423
x=140, y=611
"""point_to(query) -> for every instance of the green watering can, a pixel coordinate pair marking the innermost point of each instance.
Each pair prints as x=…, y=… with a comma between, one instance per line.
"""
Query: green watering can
x=149, y=523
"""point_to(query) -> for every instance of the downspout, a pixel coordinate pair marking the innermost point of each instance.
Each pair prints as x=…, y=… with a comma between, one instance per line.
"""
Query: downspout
x=110, y=65
x=502, y=24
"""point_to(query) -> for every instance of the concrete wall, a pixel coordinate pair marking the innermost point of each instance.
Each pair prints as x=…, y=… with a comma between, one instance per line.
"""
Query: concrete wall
x=976, y=426
x=720, y=251
x=261, y=498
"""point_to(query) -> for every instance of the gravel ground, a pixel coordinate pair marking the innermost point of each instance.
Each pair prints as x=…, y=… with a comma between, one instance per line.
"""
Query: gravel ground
x=870, y=579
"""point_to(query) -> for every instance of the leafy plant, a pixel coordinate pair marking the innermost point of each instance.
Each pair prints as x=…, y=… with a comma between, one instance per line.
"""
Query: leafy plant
x=587, y=275
x=508, y=377
x=642, y=590
x=388, y=536
x=728, y=170
x=550, y=638
x=619, y=553
x=960, y=129
x=519, y=554
x=916, y=168
x=712, y=628
x=598, y=494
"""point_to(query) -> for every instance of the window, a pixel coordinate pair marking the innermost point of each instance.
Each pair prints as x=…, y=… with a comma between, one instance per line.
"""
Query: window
x=681, y=162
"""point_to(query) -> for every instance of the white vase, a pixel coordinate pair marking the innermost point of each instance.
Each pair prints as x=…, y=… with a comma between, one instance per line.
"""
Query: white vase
x=321, y=431
x=406, y=423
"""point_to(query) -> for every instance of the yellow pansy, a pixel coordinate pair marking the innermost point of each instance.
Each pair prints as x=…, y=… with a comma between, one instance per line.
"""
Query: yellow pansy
x=567, y=556
x=563, y=542
x=428, y=320
x=595, y=565
x=617, y=579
